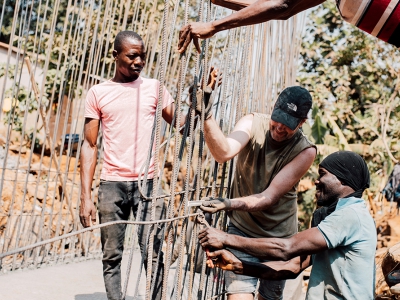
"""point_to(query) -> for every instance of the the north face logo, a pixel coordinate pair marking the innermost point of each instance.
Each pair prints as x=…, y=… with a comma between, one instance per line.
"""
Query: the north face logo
x=292, y=106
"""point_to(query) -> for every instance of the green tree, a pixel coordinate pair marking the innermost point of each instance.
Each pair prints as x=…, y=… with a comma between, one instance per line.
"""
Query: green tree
x=353, y=78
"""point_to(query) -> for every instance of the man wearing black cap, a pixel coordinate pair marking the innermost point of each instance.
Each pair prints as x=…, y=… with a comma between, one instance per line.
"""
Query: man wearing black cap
x=343, y=239
x=272, y=156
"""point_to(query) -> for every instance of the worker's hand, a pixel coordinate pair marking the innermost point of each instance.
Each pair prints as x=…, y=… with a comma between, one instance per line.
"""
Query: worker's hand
x=194, y=31
x=214, y=76
x=87, y=212
x=212, y=238
x=224, y=260
x=205, y=102
x=212, y=205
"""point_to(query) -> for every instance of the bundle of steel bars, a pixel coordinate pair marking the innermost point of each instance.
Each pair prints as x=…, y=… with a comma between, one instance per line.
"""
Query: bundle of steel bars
x=52, y=52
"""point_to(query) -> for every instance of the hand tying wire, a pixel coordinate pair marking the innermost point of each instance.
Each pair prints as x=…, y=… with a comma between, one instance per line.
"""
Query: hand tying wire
x=212, y=238
x=213, y=205
x=206, y=102
x=225, y=260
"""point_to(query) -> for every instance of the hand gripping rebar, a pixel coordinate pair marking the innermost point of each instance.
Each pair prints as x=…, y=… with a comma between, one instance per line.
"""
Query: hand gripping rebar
x=201, y=218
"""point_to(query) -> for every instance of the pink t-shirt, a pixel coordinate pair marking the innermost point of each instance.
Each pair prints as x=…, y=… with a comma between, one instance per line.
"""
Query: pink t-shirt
x=126, y=112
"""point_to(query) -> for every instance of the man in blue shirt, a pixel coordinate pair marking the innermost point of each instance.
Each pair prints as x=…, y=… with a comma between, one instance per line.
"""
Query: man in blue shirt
x=342, y=242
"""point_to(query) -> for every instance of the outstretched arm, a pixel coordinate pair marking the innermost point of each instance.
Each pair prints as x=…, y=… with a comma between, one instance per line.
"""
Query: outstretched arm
x=307, y=242
x=280, y=185
x=88, y=161
x=253, y=12
x=273, y=270
x=168, y=115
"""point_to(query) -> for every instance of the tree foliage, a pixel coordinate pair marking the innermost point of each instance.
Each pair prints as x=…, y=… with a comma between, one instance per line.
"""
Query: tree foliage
x=353, y=78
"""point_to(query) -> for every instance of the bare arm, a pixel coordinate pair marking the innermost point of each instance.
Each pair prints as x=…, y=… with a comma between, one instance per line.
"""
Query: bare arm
x=168, y=115
x=88, y=161
x=272, y=270
x=307, y=242
x=224, y=148
x=262, y=11
x=253, y=12
x=279, y=186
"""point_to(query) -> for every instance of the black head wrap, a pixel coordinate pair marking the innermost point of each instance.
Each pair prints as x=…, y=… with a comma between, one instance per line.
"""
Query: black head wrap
x=351, y=169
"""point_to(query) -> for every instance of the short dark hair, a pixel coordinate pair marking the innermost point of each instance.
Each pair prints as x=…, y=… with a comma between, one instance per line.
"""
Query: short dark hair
x=122, y=36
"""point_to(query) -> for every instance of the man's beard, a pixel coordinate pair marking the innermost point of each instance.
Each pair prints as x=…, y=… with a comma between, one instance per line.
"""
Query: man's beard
x=327, y=198
x=326, y=201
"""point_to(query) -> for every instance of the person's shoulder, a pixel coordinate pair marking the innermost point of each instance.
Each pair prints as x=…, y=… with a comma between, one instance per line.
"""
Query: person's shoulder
x=248, y=117
x=341, y=218
x=101, y=86
x=353, y=208
x=104, y=88
x=357, y=214
x=310, y=152
x=360, y=207
x=245, y=123
x=261, y=120
x=93, y=91
x=305, y=141
x=261, y=115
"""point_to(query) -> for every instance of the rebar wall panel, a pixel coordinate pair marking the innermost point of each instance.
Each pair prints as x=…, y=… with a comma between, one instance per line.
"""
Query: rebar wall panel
x=52, y=52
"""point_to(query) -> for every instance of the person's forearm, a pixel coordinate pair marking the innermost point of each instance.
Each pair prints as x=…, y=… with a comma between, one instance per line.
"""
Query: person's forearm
x=258, y=12
x=216, y=141
x=265, y=248
x=254, y=202
x=185, y=123
x=282, y=183
x=88, y=163
x=262, y=11
x=263, y=271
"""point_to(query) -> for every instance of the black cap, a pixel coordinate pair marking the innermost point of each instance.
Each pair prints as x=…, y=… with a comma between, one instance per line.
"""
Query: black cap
x=292, y=106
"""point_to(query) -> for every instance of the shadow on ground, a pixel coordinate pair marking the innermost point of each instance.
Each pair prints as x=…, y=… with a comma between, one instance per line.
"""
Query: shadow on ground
x=96, y=296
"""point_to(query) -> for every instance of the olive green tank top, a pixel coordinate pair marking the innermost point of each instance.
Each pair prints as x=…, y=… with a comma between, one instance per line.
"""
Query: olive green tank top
x=257, y=165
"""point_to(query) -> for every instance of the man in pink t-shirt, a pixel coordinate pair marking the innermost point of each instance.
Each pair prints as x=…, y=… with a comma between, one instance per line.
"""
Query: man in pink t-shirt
x=125, y=106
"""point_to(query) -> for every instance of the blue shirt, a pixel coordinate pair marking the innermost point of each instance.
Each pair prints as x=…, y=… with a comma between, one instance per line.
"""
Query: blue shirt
x=347, y=269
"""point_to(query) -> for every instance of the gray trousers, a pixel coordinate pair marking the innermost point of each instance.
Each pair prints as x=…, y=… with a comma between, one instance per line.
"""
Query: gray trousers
x=116, y=200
